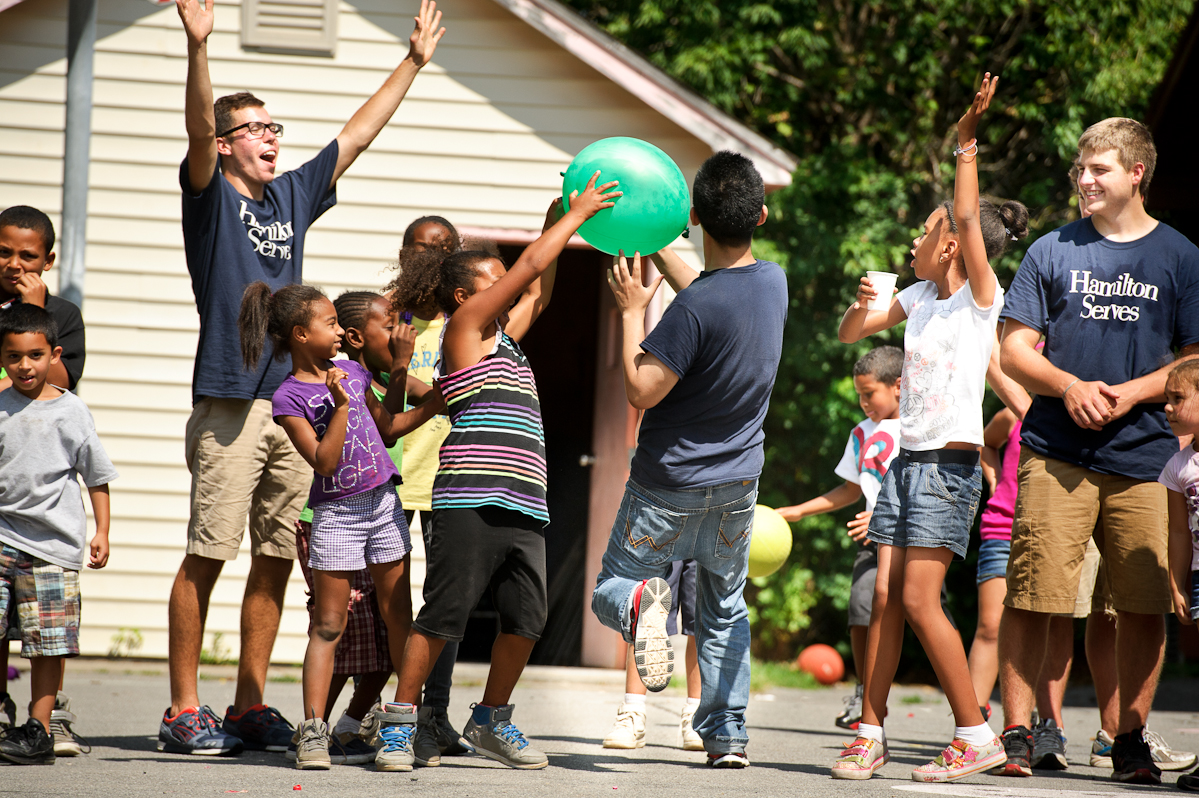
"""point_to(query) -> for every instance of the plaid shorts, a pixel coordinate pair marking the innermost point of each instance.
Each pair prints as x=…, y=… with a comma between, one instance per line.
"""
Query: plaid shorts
x=46, y=600
x=366, y=527
x=363, y=645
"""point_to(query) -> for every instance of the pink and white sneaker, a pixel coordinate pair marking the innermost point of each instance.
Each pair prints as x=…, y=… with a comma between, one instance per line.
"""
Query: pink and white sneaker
x=961, y=759
x=860, y=760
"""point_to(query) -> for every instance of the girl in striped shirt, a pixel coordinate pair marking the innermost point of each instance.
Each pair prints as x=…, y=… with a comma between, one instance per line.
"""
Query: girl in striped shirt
x=489, y=508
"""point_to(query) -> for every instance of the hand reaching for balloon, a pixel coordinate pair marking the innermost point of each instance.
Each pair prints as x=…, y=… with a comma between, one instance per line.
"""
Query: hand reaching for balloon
x=625, y=281
x=593, y=199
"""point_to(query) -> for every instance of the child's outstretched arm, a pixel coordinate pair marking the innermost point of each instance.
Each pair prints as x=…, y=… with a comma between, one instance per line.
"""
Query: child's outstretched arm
x=393, y=421
x=475, y=318
x=325, y=454
x=537, y=298
x=98, y=550
x=1181, y=548
x=859, y=321
x=965, y=198
x=843, y=495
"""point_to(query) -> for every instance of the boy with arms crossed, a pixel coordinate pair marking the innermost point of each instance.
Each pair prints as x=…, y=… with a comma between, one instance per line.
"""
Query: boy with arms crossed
x=47, y=440
x=242, y=224
x=704, y=377
x=1114, y=294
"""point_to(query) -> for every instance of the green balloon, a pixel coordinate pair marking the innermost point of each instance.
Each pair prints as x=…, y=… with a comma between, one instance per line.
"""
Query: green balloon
x=655, y=207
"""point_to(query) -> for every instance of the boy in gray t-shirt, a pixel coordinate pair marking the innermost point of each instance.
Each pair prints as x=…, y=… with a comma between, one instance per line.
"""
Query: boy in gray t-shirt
x=47, y=440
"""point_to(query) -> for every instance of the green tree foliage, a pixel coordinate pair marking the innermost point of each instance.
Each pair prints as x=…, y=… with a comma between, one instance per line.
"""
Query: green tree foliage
x=866, y=94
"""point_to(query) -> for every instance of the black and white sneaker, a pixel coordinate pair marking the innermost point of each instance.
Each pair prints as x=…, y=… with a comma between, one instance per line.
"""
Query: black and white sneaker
x=1132, y=761
x=851, y=716
x=1017, y=744
x=652, y=651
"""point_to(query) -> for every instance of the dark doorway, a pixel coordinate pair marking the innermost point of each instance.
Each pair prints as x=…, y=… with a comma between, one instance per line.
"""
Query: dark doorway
x=562, y=349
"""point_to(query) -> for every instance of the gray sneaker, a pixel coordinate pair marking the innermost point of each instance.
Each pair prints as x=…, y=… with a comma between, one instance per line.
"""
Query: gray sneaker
x=1163, y=756
x=500, y=740
x=1048, y=746
x=425, y=750
x=312, y=749
x=449, y=741
x=397, y=727
x=66, y=741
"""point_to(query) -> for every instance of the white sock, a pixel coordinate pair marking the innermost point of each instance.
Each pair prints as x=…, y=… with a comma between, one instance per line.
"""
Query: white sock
x=975, y=735
x=347, y=724
x=693, y=701
x=868, y=732
x=634, y=698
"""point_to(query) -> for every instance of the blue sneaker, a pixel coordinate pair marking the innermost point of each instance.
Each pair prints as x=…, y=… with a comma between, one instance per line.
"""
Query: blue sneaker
x=260, y=728
x=195, y=731
x=397, y=727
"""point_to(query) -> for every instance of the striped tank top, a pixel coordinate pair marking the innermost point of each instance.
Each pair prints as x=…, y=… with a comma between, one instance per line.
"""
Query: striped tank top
x=494, y=455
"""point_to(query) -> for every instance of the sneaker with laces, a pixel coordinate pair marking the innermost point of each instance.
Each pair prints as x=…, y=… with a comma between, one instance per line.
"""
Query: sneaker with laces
x=629, y=729
x=1164, y=757
x=397, y=727
x=1101, y=750
x=691, y=739
x=196, y=730
x=732, y=759
x=347, y=748
x=260, y=728
x=1048, y=746
x=29, y=744
x=851, y=716
x=312, y=748
x=1017, y=745
x=449, y=741
x=961, y=759
x=8, y=710
x=1132, y=761
x=66, y=741
x=500, y=740
x=425, y=750
x=652, y=652
x=861, y=759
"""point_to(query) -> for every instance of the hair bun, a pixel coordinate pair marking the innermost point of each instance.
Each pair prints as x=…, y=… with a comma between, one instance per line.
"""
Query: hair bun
x=1015, y=218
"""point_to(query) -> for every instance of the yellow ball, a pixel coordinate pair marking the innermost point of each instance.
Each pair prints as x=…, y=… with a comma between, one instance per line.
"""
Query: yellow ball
x=770, y=543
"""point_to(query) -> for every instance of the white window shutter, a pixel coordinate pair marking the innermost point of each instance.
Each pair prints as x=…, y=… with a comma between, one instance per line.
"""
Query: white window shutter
x=290, y=26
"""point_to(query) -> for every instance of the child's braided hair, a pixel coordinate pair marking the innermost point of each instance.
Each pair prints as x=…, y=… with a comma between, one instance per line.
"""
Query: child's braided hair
x=353, y=308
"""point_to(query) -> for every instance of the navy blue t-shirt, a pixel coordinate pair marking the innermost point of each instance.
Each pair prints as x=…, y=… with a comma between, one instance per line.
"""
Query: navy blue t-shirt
x=230, y=241
x=1110, y=311
x=723, y=337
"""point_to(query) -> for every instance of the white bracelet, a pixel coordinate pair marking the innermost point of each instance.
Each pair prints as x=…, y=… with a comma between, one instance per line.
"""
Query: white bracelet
x=1068, y=387
x=973, y=145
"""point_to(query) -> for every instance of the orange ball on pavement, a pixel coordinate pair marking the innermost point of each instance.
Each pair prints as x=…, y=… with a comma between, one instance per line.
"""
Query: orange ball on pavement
x=823, y=662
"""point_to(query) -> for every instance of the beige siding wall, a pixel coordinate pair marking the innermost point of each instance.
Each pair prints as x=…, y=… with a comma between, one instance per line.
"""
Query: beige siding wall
x=481, y=139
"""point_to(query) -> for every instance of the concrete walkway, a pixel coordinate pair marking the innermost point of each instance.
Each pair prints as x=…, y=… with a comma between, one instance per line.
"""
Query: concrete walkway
x=564, y=712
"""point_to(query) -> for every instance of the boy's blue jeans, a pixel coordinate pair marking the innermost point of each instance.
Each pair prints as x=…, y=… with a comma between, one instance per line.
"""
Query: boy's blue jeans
x=711, y=526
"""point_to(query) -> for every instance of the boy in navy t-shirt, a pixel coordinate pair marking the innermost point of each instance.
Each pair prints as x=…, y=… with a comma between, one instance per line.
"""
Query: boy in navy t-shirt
x=1114, y=295
x=704, y=377
x=241, y=224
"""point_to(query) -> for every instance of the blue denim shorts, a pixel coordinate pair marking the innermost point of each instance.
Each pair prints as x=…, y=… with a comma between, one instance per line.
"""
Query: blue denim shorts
x=928, y=504
x=992, y=559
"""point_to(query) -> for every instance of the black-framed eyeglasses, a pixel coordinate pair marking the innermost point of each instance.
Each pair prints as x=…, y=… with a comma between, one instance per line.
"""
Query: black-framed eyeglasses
x=254, y=130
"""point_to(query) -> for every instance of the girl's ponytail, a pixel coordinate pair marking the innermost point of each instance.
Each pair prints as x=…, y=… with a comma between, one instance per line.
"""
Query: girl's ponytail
x=252, y=321
x=1015, y=218
x=1001, y=225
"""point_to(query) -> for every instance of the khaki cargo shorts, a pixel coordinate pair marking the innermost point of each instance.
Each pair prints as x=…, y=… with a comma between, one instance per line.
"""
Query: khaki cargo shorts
x=242, y=465
x=1058, y=508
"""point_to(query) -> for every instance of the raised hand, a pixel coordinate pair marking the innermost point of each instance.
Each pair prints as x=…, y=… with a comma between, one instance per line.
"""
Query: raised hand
x=333, y=378
x=197, y=18
x=593, y=199
x=426, y=35
x=552, y=215
x=968, y=124
x=402, y=344
x=624, y=279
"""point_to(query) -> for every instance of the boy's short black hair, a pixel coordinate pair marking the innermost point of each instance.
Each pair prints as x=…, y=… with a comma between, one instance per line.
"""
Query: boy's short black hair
x=24, y=318
x=728, y=195
x=884, y=363
x=27, y=218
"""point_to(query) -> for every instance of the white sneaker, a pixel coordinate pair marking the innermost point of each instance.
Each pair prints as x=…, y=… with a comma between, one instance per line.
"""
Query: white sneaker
x=691, y=740
x=1163, y=756
x=1101, y=750
x=629, y=729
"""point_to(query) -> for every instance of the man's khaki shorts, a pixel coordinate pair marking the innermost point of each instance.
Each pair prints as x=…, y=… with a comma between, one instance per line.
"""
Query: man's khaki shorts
x=1058, y=508
x=242, y=464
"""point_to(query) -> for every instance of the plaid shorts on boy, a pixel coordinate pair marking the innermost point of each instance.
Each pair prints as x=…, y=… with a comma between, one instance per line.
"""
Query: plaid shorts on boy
x=46, y=602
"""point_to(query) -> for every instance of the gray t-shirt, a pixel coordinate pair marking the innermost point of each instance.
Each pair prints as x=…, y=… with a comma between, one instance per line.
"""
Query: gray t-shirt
x=44, y=445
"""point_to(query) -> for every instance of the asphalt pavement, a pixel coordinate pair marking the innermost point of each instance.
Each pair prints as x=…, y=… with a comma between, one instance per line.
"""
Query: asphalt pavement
x=565, y=712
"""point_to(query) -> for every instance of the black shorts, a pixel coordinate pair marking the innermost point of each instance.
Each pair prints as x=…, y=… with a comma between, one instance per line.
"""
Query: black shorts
x=472, y=550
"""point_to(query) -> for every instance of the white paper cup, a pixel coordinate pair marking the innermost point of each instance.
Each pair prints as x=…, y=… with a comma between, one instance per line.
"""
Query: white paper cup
x=884, y=284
